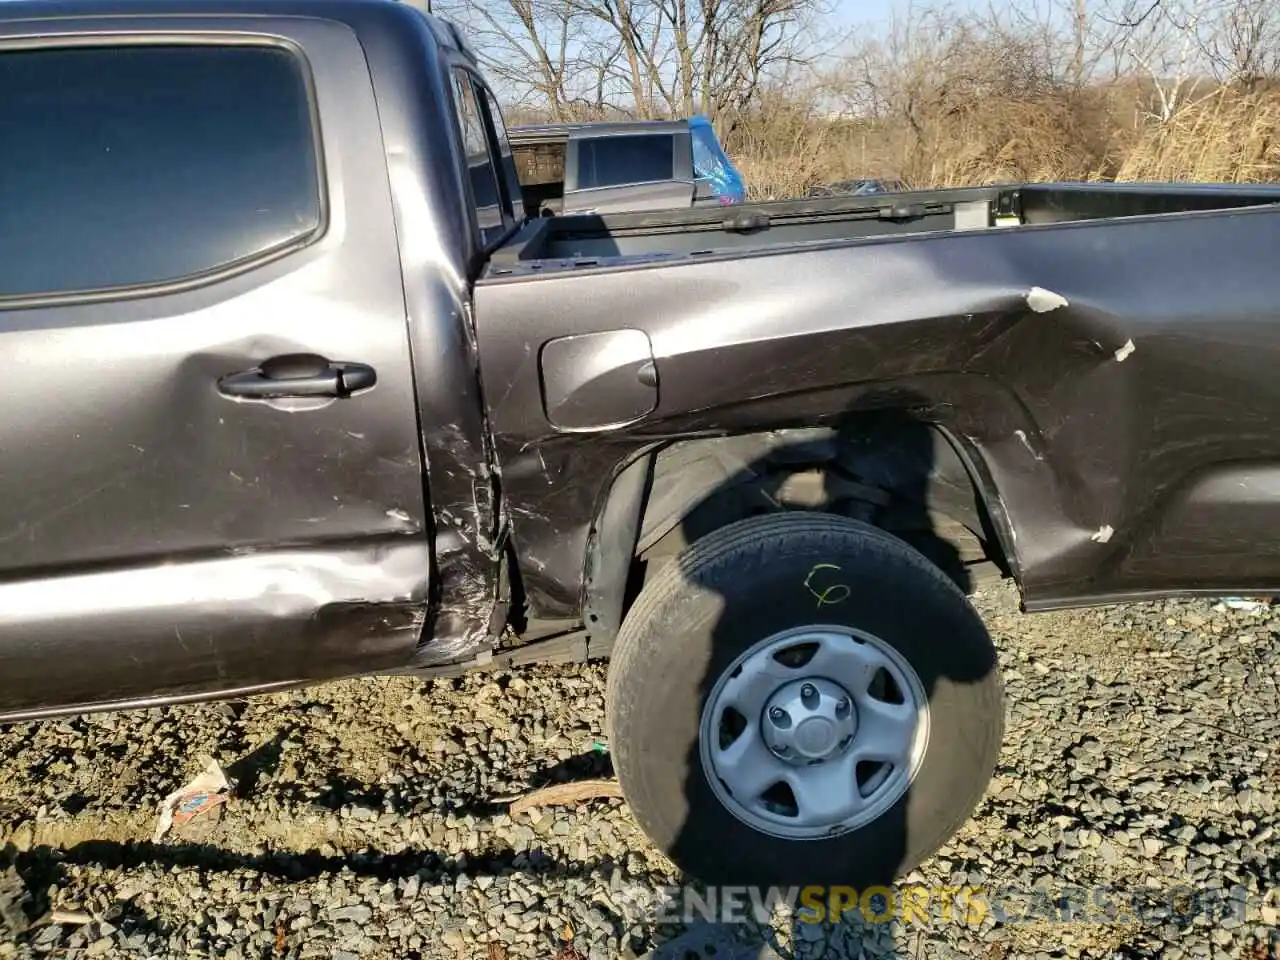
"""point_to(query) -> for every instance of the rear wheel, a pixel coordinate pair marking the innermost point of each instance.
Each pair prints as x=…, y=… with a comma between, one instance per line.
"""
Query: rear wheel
x=802, y=699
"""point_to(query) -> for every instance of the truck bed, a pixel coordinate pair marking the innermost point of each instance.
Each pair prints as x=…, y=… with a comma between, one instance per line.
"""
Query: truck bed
x=553, y=244
x=1098, y=358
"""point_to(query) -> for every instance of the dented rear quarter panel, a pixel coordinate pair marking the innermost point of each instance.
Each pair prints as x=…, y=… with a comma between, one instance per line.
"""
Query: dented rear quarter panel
x=1112, y=383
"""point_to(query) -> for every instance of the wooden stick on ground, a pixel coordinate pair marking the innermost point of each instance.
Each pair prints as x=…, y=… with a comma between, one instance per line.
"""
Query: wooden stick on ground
x=564, y=793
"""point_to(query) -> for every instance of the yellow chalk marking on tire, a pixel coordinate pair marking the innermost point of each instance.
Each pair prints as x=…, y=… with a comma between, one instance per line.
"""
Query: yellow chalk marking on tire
x=830, y=595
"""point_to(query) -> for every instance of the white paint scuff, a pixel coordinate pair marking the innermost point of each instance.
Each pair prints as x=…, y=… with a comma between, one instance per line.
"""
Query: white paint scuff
x=1042, y=301
x=1022, y=435
x=1104, y=534
x=1125, y=352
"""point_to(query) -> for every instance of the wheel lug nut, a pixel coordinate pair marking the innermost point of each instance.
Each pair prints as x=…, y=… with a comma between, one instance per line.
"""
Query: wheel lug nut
x=842, y=705
x=777, y=714
x=808, y=692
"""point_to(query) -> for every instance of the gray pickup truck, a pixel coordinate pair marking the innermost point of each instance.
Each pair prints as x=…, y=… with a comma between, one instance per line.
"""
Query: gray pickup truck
x=295, y=392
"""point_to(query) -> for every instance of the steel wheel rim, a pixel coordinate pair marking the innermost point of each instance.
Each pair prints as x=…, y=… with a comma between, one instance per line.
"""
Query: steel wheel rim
x=841, y=770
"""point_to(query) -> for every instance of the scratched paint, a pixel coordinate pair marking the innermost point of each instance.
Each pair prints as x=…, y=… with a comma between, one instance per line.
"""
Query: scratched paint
x=249, y=619
x=1042, y=301
x=1022, y=436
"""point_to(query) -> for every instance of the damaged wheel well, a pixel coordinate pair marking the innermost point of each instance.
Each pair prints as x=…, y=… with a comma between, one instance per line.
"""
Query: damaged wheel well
x=887, y=468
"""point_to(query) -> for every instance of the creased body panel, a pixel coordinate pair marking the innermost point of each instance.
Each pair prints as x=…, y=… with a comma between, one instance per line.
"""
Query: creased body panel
x=438, y=249
x=1090, y=371
x=174, y=630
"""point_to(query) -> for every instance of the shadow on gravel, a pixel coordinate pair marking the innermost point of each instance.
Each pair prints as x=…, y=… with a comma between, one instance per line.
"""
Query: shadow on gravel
x=43, y=865
x=591, y=765
x=881, y=445
x=246, y=772
x=340, y=791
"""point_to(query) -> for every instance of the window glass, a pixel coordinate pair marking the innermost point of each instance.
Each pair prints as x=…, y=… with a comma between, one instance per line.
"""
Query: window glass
x=508, y=162
x=632, y=158
x=137, y=165
x=499, y=126
x=481, y=166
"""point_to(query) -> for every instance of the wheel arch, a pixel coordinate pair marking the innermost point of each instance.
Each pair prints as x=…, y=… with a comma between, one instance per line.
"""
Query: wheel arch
x=887, y=459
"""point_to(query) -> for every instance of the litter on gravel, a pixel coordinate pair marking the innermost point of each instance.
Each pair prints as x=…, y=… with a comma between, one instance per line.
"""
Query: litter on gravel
x=1247, y=604
x=204, y=792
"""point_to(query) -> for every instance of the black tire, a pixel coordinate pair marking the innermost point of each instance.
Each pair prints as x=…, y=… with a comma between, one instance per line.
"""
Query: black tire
x=745, y=582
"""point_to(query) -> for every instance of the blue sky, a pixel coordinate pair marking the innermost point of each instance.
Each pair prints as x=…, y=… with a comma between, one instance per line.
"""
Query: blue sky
x=878, y=13
x=851, y=13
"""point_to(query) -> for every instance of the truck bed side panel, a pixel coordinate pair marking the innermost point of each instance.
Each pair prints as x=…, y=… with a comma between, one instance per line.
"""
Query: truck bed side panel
x=1112, y=380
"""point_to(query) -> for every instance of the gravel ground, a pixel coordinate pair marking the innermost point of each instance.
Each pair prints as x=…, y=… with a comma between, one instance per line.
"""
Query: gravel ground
x=370, y=818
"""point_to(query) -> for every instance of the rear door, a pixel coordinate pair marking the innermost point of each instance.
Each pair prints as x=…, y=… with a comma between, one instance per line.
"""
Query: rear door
x=628, y=171
x=210, y=475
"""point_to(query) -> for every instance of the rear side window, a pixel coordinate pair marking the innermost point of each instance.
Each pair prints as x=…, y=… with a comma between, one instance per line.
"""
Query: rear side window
x=481, y=165
x=499, y=125
x=508, y=161
x=634, y=158
x=138, y=165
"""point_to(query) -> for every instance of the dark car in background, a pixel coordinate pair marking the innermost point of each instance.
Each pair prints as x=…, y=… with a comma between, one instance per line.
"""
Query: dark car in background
x=856, y=188
x=613, y=167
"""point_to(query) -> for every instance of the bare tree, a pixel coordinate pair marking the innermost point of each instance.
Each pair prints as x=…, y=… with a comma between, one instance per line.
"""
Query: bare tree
x=1245, y=48
x=541, y=53
x=643, y=58
x=1164, y=39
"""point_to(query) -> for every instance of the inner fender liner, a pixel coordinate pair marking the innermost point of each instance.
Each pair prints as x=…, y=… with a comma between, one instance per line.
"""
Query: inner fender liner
x=912, y=461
